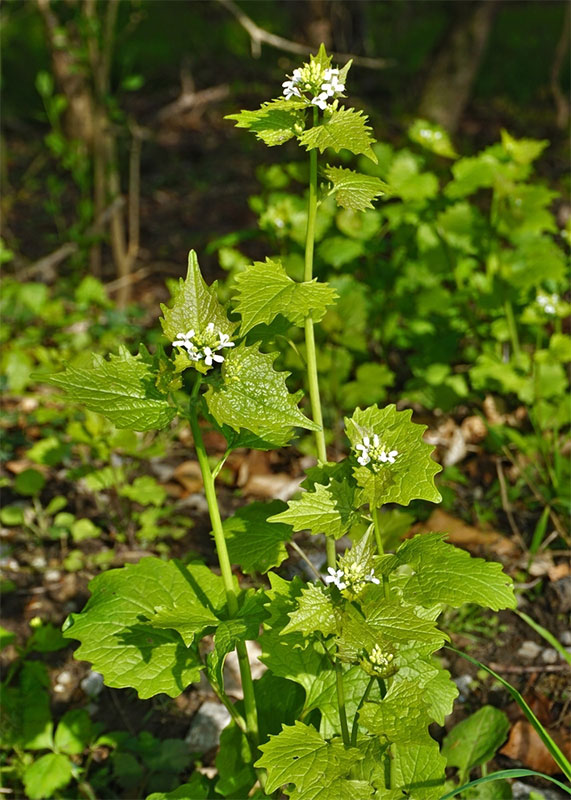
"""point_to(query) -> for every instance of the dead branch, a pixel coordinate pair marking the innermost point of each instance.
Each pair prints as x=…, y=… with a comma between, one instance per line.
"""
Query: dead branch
x=561, y=100
x=189, y=99
x=259, y=36
x=521, y=669
x=44, y=267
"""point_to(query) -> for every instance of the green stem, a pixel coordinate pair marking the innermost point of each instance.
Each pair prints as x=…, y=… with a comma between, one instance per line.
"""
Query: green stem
x=380, y=548
x=341, y=704
x=225, y=568
x=512, y=327
x=378, y=535
x=312, y=377
x=363, y=700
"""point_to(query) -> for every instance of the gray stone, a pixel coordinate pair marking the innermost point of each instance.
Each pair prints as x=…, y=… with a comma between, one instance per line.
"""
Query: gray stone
x=206, y=727
x=521, y=791
x=529, y=650
x=550, y=656
x=566, y=638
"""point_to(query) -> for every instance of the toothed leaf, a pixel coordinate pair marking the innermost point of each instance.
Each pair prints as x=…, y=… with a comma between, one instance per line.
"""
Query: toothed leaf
x=411, y=476
x=253, y=542
x=122, y=388
x=328, y=509
x=354, y=190
x=265, y=290
x=252, y=395
x=120, y=628
x=342, y=129
x=274, y=122
x=442, y=573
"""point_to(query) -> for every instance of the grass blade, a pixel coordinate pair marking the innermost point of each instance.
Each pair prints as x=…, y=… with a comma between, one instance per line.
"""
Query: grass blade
x=556, y=753
x=502, y=775
x=549, y=637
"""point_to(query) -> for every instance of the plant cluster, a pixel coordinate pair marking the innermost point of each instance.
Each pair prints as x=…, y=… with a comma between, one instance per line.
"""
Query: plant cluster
x=352, y=683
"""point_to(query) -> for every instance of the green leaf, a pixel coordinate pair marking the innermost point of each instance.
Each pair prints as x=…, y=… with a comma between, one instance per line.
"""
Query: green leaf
x=274, y=122
x=341, y=129
x=6, y=637
x=196, y=788
x=254, y=543
x=418, y=769
x=407, y=182
x=29, y=482
x=401, y=716
x=47, y=775
x=22, y=723
x=195, y=306
x=411, y=476
x=144, y=490
x=74, y=732
x=291, y=656
x=265, y=290
x=253, y=395
x=524, y=151
x=318, y=769
x=314, y=612
x=475, y=740
x=121, y=388
x=442, y=573
x=432, y=137
x=328, y=509
x=119, y=627
x=354, y=190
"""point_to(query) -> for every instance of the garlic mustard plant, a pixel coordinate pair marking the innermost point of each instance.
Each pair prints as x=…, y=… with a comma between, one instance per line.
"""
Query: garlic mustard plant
x=351, y=685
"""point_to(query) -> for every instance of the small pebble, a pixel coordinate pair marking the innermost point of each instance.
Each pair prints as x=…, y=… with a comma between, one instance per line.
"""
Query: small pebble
x=39, y=562
x=566, y=638
x=206, y=727
x=550, y=656
x=529, y=650
x=65, y=678
x=463, y=683
x=52, y=575
x=92, y=684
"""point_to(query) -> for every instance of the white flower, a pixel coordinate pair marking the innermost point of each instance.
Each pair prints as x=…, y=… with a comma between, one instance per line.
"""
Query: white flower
x=374, y=452
x=204, y=345
x=225, y=340
x=335, y=576
x=320, y=101
x=353, y=578
x=548, y=302
x=209, y=357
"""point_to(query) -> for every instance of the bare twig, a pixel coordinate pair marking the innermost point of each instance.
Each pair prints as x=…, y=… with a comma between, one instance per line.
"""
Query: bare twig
x=259, y=36
x=189, y=99
x=521, y=669
x=507, y=506
x=45, y=266
x=305, y=558
x=131, y=278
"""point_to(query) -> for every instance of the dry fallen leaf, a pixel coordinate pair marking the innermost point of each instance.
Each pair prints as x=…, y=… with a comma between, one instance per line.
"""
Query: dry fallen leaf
x=525, y=746
x=189, y=475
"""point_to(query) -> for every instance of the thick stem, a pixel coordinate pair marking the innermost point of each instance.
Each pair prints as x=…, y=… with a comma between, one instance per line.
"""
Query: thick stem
x=378, y=535
x=225, y=569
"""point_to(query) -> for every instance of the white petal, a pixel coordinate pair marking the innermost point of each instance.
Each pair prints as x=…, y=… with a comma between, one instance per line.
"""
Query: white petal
x=217, y=358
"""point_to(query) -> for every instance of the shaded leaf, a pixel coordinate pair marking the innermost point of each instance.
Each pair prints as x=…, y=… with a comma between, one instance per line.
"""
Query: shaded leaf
x=327, y=509
x=254, y=543
x=475, y=740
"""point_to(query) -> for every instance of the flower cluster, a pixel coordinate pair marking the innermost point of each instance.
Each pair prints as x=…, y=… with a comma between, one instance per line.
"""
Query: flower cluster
x=374, y=453
x=548, y=302
x=353, y=578
x=379, y=662
x=205, y=345
x=322, y=84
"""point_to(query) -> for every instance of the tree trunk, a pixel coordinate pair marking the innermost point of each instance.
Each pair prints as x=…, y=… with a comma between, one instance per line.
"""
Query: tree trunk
x=452, y=74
